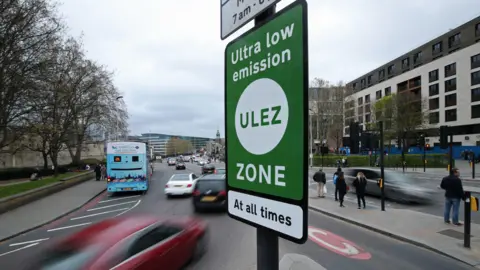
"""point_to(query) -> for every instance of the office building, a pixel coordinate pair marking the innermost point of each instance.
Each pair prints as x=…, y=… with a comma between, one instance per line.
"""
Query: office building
x=159, y=141
x=445, y=73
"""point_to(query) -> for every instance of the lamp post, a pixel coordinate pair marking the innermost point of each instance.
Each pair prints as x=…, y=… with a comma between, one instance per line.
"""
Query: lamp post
x=311, y=136
x=117, y=128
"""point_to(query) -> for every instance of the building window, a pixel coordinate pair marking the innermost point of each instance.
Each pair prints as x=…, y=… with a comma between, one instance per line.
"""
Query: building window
x=363, y=83
x=417, y=58
x=347, y=130
x=433, y=104
x=355, y=86
x=434, y=118
x=360, y=101
x=433, y=75
x=369, y=79
x=450, y=70
x=451, y=85
x=477, y=30
x=475, y=77
x=367, y=118
x=451, y=115
x=475, y=61
x=367, y=99
x=388, y=91
x=405, y=63
x=381, y=74
x=391, y=69
x=437, y=48
x=378, y=95
x=360, y=110
x=454, y=40
x=475, y=111
x=451, y=100
x=360, y=119
x=433, y=90
x=476, y=94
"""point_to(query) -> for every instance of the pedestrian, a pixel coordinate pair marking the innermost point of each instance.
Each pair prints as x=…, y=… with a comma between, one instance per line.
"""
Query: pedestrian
x=453, y=194
x=360, y=184
x=335, y=177
x=320, y=178
x=98, y=172
x=103, y=172
x=342, y=187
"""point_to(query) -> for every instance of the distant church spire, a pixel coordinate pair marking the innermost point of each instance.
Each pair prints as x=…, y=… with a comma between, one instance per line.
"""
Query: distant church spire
x=218, y=136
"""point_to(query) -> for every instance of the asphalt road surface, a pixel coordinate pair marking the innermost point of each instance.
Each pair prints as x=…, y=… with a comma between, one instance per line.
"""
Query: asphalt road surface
x=431, y=182
x=333, y=244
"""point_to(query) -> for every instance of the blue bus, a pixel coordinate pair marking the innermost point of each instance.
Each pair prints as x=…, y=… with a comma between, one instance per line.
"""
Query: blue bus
x=127, y=167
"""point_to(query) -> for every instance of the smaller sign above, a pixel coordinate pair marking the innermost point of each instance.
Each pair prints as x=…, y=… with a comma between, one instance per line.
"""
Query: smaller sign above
x=236, y=13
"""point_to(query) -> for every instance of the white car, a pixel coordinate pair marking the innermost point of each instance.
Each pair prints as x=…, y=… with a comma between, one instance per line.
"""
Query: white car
x=181, y=184
x=201, y=162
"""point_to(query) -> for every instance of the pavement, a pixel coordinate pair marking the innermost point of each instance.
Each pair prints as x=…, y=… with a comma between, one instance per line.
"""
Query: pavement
x=333, y=244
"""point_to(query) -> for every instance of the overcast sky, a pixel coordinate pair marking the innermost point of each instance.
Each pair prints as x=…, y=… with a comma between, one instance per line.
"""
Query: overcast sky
x=168, y=55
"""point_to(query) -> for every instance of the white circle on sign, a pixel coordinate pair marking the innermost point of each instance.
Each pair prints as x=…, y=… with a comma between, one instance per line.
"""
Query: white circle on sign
x=261, y=116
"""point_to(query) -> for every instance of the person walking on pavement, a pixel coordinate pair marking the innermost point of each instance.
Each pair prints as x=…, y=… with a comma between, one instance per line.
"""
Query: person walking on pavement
x=342, y=187
x=453, y=194
x=320, y=178
x=98, y=172
x=335, y=177
x=103, y=172
x=360, y=183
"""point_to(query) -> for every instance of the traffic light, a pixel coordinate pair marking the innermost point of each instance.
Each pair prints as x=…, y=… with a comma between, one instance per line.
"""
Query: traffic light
x=444, y=137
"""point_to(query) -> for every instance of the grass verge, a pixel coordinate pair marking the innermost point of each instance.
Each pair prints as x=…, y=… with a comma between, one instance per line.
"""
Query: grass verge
x=9, y=190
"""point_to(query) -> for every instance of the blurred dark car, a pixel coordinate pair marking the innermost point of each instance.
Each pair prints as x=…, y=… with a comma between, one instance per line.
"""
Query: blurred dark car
x=134, y=242
x=208, y=169
x=172, y=162
x=180, y=166
x=220, y=171
x=210, y=193
x=398, y=186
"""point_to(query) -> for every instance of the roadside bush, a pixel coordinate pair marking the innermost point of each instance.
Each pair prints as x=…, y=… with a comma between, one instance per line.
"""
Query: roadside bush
x=412, y=160
x=19, y=173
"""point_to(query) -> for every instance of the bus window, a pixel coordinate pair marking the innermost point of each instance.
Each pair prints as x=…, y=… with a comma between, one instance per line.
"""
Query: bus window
x=117, y=159
x=135, y=158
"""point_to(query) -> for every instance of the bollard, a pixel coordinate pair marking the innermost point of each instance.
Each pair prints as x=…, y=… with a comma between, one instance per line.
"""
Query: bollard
x=468, y=216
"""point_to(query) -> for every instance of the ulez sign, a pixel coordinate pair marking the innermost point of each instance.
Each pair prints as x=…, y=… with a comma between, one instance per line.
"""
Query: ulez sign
x=266, y=107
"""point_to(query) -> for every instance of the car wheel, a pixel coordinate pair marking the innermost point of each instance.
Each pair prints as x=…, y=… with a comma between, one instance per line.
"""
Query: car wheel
x=169, y=196
x=200, y=248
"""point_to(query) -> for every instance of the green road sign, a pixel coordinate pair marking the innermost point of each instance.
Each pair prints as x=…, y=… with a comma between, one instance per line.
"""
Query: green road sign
x=266, y=107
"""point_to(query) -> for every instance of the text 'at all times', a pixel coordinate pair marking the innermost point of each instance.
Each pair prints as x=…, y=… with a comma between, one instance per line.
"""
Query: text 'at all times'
x=252, y=209
x=271, y=60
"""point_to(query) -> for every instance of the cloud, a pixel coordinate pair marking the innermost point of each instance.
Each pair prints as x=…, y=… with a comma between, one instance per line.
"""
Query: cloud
x=168, y=55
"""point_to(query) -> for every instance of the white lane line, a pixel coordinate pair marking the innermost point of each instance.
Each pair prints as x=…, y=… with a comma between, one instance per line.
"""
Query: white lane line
x=68, y=227
x=111, y=200
x=139, y=201
x=108, y=206
x=18, y=249
x=97, y=214
x=28, y=242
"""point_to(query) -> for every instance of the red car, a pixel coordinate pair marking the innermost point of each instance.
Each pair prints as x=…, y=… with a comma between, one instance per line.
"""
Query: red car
x=134, y=242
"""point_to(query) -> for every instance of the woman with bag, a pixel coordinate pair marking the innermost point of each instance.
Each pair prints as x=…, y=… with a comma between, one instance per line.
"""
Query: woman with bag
x=342, y=187
x=360, y=184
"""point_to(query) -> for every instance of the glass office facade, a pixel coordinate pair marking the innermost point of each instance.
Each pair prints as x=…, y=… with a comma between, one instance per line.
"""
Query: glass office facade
x=159, y=141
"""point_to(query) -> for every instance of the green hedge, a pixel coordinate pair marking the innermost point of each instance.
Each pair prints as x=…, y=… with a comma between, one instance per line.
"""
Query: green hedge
x=412, y=160
x=26, y=172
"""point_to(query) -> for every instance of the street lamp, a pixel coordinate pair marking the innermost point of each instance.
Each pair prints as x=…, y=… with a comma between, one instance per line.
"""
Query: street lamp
x=311, y=136
x=117, y=128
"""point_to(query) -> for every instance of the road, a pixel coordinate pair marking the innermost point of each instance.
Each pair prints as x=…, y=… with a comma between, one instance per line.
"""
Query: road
x=232, y=244
x=425, y=180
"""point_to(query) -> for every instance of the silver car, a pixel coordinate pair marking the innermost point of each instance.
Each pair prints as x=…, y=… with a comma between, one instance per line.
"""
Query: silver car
x=398, y=186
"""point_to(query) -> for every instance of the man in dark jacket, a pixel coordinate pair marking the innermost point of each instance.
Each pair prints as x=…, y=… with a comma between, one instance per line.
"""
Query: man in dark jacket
x=335, y=176
x=321, y=180
x=453, y=194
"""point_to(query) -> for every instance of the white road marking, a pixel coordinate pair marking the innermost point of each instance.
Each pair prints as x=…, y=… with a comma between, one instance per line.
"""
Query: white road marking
x=28, y=242
x=108, y=206
x=97, y=214
x=18, y=249
x=68, y=227
x=111, y=200
x=139, y=201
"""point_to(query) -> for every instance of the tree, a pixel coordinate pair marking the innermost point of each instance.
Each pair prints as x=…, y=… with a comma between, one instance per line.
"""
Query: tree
x=178, y=146
x=27, y=30
x=403, y=114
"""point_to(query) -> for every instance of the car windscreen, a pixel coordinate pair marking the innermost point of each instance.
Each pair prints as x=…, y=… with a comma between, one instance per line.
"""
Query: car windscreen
x=221, y=171
x=214, y=185
x=180, y=177
x=66, y=258
x=399, y=178
x=210, y=167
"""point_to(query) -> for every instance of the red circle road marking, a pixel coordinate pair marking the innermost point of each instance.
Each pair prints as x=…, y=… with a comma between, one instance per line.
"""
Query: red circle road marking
x=337, y=244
